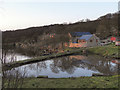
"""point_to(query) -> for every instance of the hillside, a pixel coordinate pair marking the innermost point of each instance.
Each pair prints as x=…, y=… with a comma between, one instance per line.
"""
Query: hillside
x=107, y=24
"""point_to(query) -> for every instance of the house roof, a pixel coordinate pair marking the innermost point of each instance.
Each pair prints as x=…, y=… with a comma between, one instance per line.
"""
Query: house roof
x=85, y=37
x=78, y=34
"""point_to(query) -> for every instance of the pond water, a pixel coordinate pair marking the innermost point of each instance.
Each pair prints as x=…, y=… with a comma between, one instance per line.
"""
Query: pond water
x=68, y=66
x=12, y=56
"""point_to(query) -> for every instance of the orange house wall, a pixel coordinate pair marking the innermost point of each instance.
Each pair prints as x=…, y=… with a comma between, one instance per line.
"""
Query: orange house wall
x=78, y=45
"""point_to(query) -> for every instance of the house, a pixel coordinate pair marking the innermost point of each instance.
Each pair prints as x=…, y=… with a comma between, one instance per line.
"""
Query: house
x=75, y=35
x=117, y=42
x=83, y=39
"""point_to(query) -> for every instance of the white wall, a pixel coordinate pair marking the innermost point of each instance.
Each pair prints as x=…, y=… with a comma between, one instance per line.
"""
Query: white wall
x=93, y=43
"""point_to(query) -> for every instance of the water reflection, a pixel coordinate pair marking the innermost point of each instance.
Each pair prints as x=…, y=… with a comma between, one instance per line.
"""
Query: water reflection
x=70, y=66
x=11, y=56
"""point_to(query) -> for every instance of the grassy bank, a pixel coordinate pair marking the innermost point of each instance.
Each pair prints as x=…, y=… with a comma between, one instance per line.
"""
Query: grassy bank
x=41, y=58
x=80, y=82
x=106, y=51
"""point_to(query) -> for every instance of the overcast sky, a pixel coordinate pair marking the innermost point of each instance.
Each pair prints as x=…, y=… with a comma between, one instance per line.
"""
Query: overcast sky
x=19, y=14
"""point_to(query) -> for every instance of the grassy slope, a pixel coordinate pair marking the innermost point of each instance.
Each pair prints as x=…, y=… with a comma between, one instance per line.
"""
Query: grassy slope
x=108, y=50
x=81, y=82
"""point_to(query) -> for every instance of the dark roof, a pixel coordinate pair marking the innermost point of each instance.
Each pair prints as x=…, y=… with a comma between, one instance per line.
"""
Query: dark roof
x=78, y=34
x=85, y=37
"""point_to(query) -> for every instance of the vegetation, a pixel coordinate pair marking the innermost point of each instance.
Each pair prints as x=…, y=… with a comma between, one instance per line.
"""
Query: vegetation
x=38, y=39
x=107, y=24
x=107, y=51
x=80, y=82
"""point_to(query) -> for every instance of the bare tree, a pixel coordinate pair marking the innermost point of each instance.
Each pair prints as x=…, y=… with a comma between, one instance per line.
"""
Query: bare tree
x=12, y=78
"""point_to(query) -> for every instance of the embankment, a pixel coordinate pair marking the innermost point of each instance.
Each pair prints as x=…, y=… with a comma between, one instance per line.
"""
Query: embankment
x=108, y=51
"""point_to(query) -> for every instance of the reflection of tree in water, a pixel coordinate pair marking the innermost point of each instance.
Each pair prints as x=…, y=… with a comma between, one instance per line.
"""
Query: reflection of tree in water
x=38, y=66
x=103, y=65
x=97, y=63
x=69, y=65
x=94, y=63
x=63, y=64
x=54, y=68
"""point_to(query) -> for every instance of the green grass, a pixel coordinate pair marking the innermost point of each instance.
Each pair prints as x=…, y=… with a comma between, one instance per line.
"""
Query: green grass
x=108, y=50
x=80, y=82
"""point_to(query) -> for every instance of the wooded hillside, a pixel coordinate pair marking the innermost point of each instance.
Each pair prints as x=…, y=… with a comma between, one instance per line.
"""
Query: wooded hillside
x=103, y=27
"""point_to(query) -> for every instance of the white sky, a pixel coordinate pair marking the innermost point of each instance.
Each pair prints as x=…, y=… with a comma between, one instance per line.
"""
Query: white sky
x=60, y=0
x=19, y=14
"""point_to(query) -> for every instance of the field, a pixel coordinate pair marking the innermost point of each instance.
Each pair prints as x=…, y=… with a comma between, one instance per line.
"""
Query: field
x=111, y=51
x=80, y=82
